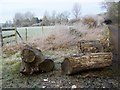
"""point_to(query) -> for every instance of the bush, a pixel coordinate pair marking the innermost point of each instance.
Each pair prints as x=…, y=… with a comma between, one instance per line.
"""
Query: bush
x=75, y=32
x=59, y=38
x=89, y=21
x=62, y=36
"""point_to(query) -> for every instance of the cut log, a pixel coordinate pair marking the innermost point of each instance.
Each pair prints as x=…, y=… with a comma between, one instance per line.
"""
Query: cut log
x=81, y=62
x=107, y=44
x=89, y=46
x=47, y=65
x=34, y=61
x=30, y=54
x=31, y=58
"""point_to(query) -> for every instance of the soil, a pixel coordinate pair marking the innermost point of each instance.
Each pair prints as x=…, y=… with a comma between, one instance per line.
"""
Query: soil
x=108, y=77
x=100, y=78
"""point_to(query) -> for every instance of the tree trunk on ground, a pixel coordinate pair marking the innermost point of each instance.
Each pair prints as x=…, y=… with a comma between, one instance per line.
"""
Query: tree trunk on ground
x=30, y=54
x=47, y=65
x=34, y=61
x=91, y=46
x=81, y=62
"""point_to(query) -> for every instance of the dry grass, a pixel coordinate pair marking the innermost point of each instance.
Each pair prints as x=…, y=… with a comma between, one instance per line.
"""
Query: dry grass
x=65, y=36
x=89, y=21
x=58, y=38
x=61, y=37
x=61, y=40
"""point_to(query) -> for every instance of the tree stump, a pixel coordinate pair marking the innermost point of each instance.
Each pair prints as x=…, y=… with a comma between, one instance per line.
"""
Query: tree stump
x=34, y=61
x=82, y=62
x=89, y=46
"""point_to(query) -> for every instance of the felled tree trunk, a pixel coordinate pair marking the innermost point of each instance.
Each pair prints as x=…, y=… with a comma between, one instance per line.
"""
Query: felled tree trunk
x=47, y=65
x=81, y=62
x=89, y=46
x=30, y=54
x=107, y=44
x=34, y=61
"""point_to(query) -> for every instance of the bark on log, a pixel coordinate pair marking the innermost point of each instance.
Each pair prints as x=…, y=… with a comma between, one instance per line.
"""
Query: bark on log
x=89, y=46
x=30, y=54
x=47, y=65
x=81, y=62
x=34, y=61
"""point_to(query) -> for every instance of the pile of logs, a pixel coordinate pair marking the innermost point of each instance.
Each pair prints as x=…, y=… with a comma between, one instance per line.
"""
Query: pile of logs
x=91, y=56
x=81, y=62
x=91, y=46
x=34, y=61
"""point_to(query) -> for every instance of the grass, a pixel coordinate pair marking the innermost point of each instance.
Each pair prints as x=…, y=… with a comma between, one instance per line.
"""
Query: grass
x=59, y=38
x=31, y=32
x=55, y=37
x=11, y=77
x=11, y=66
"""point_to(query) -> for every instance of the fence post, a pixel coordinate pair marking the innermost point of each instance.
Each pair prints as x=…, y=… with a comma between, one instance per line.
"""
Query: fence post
x=1, y=55
x=1, y=42
x=16, y=34
x=1, y=38
x=42, y=28
x=26, y=33
x=109, y=35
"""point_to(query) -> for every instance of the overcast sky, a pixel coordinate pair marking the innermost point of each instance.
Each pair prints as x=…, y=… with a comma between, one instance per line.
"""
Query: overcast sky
x=8, y=8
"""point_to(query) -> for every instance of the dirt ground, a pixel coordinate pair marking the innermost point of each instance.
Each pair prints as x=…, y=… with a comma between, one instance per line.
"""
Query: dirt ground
x=108, y=77
x=101, y=78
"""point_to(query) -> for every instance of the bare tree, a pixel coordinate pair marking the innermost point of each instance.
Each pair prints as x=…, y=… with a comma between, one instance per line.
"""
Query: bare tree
x=112, y=10
x=62, y=17
x=28, y=15
x=66, y=15
x=76, y=10
x=17, y=19
x=46, y=19
x=23, y=19
x=53, y=18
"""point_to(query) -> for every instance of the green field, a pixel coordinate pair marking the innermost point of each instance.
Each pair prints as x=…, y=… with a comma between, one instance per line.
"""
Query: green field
x=32, y=32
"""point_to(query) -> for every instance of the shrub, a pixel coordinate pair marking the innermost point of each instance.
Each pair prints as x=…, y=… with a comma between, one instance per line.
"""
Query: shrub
x=62, y=36
x=89, y=21
x=75, y=32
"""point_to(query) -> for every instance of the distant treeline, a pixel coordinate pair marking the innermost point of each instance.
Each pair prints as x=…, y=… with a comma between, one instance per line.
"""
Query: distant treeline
x=29, y=19
x=113, y=10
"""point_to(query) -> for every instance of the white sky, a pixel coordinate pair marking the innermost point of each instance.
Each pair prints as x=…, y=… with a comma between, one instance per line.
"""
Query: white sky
x=8, y=8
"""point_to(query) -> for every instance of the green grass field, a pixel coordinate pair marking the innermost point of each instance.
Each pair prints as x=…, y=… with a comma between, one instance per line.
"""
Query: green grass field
x=11, y=61
x=32, y=32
